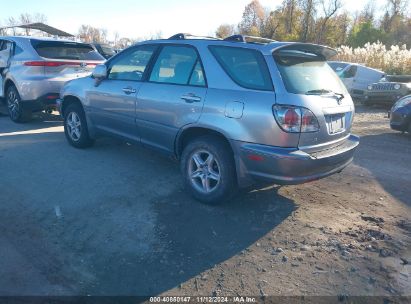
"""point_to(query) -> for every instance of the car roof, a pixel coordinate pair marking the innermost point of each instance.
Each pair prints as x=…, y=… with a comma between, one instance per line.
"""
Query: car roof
x=26, y=38
x=265, y=48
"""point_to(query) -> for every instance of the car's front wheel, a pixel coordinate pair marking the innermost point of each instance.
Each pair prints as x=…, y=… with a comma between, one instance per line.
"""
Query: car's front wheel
x=75, y=127
x=208, y=168
x=17, y=110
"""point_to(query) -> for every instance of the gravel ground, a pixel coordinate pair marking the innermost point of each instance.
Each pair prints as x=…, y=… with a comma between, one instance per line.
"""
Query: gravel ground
x=114, y=220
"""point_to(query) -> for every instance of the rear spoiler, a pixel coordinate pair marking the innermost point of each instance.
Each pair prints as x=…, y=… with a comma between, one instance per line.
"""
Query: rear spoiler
x=305, y=48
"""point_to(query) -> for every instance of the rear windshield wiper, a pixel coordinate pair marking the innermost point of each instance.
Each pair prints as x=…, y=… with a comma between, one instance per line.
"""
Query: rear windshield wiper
x=340, y=96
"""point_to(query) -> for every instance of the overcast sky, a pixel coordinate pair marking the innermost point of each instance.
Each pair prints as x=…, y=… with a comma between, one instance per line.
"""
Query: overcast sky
x=144, y=18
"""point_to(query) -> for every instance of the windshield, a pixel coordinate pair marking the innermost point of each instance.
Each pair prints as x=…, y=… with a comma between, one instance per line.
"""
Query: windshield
x=65, y=50
x=307, y=74
x=337, y=66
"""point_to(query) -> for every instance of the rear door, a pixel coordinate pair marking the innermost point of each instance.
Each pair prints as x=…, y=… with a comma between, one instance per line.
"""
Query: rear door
x=112, y=102
x=172, y=97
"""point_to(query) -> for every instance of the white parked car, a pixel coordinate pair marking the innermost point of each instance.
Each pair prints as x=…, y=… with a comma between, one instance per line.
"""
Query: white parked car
x=356, y=77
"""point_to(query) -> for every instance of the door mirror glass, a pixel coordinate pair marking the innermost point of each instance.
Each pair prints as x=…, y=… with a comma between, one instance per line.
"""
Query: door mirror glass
x=100, y=71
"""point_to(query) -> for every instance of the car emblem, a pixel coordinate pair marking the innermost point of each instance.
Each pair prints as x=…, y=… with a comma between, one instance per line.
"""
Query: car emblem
x=83, y=64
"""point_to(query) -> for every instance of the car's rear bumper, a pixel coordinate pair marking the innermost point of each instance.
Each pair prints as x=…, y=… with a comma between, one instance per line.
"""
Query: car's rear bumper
x=47, y=101
x=290, y=165
x=381, y=98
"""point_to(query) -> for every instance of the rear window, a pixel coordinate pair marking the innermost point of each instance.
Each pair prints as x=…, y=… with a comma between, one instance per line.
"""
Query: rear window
x=303, y=73
x=246, y=67
x=65, y=50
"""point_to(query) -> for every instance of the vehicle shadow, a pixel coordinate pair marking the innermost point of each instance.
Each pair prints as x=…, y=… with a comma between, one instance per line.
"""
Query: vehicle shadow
x=39, y=121
x=115, y=219
x=387, y=156
x=192, y=238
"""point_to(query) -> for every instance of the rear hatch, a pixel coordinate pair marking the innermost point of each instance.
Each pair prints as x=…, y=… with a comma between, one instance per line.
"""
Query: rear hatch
x=65, y=59
x=313, y=85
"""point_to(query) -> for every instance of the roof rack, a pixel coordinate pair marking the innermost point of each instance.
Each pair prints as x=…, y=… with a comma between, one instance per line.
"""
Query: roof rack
x=248, y=39
x=184, y=36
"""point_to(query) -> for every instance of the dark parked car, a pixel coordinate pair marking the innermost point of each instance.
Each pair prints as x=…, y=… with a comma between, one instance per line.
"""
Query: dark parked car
x=400, y=115
x=105, y=50
x=388, y=90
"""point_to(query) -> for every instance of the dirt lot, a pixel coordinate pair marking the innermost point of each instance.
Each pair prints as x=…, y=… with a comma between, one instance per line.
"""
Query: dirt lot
x=114, y=220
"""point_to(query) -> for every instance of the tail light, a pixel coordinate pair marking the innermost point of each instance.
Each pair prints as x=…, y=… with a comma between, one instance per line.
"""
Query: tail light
x=295, y=119
x=56, y=63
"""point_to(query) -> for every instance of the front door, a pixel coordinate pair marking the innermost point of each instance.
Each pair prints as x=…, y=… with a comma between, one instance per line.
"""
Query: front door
x=112, y=103
x=172, y=97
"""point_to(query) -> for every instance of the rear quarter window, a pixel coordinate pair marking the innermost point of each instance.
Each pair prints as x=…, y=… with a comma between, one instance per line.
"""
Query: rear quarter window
x=246, y=67
x=65, y=50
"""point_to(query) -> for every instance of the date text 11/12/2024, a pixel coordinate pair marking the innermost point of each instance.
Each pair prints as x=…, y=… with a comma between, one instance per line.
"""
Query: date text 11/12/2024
x=198, y=299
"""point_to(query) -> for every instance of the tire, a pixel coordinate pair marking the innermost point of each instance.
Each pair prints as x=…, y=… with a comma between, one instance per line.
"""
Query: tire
x=16, y=109
x=75, y=127
x=208, y=169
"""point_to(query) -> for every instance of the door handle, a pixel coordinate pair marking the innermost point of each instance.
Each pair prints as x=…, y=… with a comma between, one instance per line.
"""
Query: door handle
x=190, y=98
x=129, y=90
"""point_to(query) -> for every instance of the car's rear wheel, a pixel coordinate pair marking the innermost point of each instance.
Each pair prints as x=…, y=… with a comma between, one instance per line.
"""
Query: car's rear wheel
x=208, y=168
x=75, y=127
x=17, y=110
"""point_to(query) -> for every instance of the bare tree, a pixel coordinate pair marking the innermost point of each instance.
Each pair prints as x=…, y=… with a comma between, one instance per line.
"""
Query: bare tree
x=330, y=8
x=398, y=7
x=87, y=33
x=308, y=7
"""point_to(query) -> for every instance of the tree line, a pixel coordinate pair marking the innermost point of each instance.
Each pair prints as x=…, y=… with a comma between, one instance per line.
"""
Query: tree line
x=325, y=22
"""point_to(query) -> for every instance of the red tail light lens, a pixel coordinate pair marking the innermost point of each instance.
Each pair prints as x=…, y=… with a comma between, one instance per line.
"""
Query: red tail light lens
x=309, y=122
x=289, y=118
x=295, y=119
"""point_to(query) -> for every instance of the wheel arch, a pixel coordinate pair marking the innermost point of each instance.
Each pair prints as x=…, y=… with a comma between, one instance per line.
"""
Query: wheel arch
x=189, y=133
x=9, y=82
x=68, y=100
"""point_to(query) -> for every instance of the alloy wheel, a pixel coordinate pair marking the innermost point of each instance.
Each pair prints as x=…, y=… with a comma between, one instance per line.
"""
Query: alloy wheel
x=13, y=104
x=74, y=126
x=204, y=171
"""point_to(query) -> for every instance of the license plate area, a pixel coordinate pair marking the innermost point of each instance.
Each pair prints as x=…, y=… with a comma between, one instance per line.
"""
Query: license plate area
x=336, y=123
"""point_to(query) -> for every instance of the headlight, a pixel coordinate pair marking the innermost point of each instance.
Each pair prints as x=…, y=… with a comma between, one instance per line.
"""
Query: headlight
x=397, y=86
x=369, y=87
x=408, y=85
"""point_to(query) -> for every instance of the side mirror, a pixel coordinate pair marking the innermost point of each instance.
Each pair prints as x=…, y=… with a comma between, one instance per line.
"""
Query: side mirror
x=100, y=72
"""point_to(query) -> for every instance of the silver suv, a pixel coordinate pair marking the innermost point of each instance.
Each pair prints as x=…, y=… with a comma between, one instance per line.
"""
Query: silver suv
x=234, y=112
x=33, y=70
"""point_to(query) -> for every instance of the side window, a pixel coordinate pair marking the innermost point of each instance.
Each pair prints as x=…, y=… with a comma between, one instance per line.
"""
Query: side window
x=4, y=45
x=350, y=73
x=246, y=67
x=197, y=77
x=131, y=65
x=178, y=65
x=17, y=50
